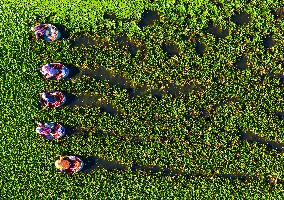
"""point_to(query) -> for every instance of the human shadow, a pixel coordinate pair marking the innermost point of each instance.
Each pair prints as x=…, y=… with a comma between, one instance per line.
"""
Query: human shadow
x=181, y=90
x=72, y=130
x=241, y=18
x=216, y=31
x=101, y=74
x=169, y=172
x=84, y=40
x=170, y=48
x=155, y=170
x=279, y=114
x=255, y=138
x=73, y=71
x=148, y=18
x=87, y=100
x=93, y=163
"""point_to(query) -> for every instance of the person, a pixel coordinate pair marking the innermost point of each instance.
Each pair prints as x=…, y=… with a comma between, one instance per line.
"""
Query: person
x=69, y=164
x=55, y=71
x=52, y=99
x=46, y=31
x=50, y=130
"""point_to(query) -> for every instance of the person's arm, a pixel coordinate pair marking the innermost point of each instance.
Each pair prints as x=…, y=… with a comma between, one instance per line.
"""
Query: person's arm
x=48, y=76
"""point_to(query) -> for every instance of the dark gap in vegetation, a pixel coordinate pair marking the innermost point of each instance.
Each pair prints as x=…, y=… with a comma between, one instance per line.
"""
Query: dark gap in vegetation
x=123, y=41
x=154, y=170
x=108, y=108
x=88, y=100
x=262, y=78
x=70, y=99
x=137, y=91
x=168, y=172
x=137, y=140
x=157, y=94
x=31, y=38
x=47, y=18
x=185, y=37
x=278, y=13
x=217, y=31
x=84, y=40
x=73, y=71
x=148, y=18
x=217, y=3
x=215, y=80
x=110, y=16
x=177, y=91
x=143, y=51
x=170, y=48
x=279, y=114
x=71, y=130
x=82, y=100
x=241, y=63
x=93, y=163
x=207, y=113
x=241, y=18
x=133, y=49
x=226, y=101
x=255, y=138
x=36, y=18
x=200, y=48
x=241, y=177
x=277, y=76
x=101, y=74
x=268, y=41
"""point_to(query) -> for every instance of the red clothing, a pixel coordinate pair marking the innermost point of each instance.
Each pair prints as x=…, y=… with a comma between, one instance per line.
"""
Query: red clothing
x=52, y=99
x=76, y=164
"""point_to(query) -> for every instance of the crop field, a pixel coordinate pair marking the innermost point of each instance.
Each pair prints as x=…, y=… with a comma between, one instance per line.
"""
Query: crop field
x=168, y=99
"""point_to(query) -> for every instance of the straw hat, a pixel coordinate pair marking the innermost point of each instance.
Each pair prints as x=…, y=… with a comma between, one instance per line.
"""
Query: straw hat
x=62, y=164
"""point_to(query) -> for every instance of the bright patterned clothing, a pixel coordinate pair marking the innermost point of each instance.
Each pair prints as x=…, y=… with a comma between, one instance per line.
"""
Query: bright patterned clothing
x=50, y=130
x=76, y=164
x=55, y=71
x=46, y=31
x=52, y=99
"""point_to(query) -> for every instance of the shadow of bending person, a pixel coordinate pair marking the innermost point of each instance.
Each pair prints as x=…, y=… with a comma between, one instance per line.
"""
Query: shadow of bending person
x=70, y=99
x=65, y=33
x=94, y=163
x=73, y=71
x=155, y=170
x=250, y=137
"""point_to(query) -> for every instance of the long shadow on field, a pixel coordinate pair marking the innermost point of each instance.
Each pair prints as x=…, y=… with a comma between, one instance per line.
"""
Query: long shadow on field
x=73, y=71
x=148, y=18
x=255, y=138
x=96, y=163
x=93, y=163
x=101, y=74
x=168, y=172
x=87, y=100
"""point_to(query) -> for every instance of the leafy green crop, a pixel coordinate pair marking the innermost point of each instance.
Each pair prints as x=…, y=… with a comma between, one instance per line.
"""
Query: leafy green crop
x=171, y=99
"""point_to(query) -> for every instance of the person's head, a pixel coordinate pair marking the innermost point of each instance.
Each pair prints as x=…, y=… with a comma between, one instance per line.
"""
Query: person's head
x=62, y=164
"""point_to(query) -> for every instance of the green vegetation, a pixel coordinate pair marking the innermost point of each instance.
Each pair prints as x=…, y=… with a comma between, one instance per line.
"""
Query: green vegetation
x=207, y=78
